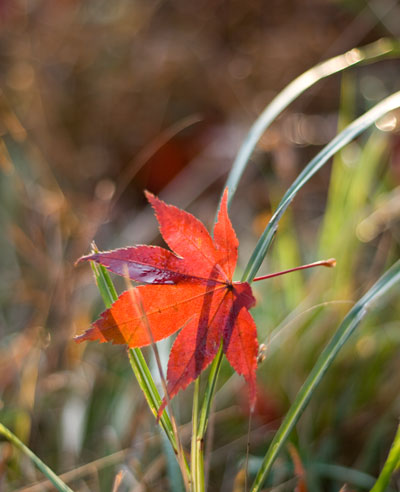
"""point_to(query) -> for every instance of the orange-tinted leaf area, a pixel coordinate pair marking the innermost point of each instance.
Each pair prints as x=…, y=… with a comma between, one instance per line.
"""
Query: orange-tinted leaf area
x=189, y=289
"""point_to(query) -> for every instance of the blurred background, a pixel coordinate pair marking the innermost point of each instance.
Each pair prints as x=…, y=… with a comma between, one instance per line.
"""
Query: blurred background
x=100, y=100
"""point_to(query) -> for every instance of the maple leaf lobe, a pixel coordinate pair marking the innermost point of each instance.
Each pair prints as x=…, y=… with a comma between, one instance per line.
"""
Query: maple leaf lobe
x=147, y=264
x=225, y=238
x=187, y=237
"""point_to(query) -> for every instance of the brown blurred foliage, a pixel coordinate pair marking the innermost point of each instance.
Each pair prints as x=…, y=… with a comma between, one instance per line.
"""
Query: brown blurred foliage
x=100, y=99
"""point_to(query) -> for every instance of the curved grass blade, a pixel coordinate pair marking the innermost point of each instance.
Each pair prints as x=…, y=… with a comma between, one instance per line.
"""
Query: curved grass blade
x=137, y=361
x=54, y=479
x=370, y=53
x=343, y=138
x=325, y=360
x=391, y=465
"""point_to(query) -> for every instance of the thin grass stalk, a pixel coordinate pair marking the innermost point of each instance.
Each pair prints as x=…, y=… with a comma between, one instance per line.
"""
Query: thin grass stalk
x=196, y=455
x=325, y=360
x=210, y=392
x=373, y=52
x=343, y=138
x=54, y=479
x=200, y=464
x=392, y=464
x=173, y=471
x=193, y=454
x=137, y=361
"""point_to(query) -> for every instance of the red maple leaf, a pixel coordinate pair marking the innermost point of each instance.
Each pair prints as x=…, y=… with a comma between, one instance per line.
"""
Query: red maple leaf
x=190, y=289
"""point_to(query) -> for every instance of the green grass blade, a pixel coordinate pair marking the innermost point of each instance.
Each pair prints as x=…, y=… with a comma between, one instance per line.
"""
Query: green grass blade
x=336, y=205
x=325, y=360
x=343, y=138
x=136, y=359
x=367, y=54
x=104, y=284
x=54, y=479
x=174, y=474
x=391, y=465
x=196, y=454
x=209, y=392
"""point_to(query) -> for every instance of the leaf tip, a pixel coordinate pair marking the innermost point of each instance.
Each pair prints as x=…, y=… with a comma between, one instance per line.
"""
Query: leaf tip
x=223, y=204
x=150, y=197
x=154, y=201
x=90, y=335
x=80, y=338
x=91, y=257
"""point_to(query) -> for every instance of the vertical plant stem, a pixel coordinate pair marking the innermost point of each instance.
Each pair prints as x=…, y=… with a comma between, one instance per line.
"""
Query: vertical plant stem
x=197, y=463
x=209, y=392
x=200, y=423
x=54, y=479
x=200, y=464
x=246, y=466
x=391, y=465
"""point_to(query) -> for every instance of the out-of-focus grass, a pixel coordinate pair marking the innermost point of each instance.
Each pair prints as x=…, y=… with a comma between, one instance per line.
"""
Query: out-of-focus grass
x=80, y=98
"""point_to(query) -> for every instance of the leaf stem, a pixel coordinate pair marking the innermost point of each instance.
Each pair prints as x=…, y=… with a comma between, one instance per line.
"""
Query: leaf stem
x=327, y=263
x=54, y=479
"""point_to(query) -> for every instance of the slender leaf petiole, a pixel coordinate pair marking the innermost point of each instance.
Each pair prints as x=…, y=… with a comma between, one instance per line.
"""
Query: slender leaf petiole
x=326, y=263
